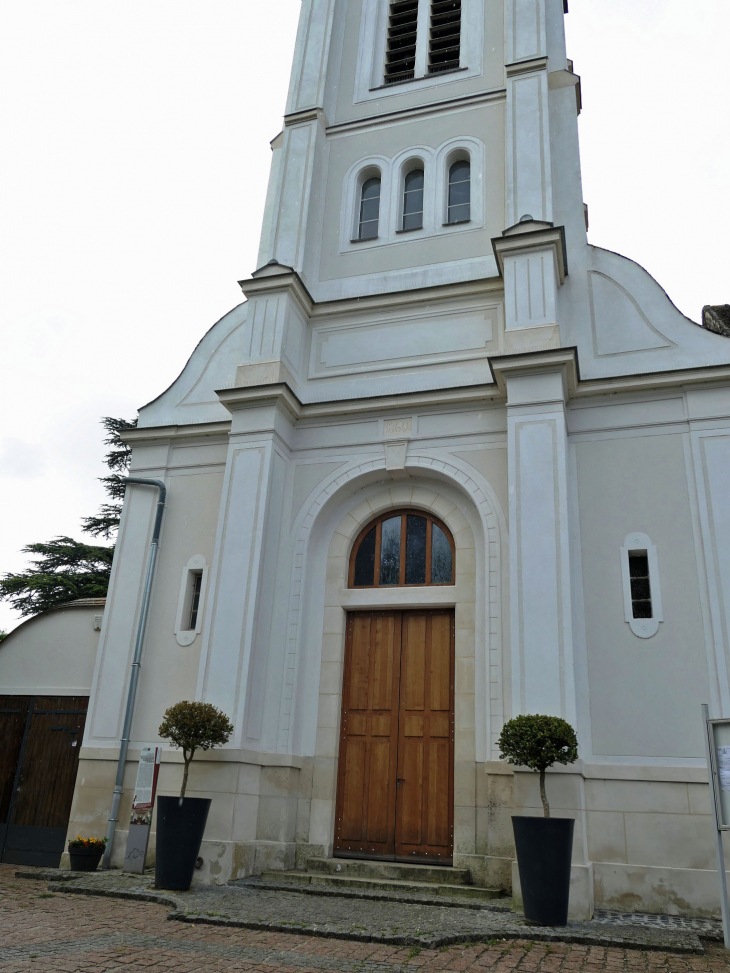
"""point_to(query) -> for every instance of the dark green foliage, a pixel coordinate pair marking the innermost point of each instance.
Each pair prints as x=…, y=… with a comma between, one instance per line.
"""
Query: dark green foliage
x=105, y=523
x=538, y=742
x=66, y=569
x=194, y=726
x=3, y=635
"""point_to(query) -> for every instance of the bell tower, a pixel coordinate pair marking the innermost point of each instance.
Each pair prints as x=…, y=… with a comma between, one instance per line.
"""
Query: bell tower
x=417, y=132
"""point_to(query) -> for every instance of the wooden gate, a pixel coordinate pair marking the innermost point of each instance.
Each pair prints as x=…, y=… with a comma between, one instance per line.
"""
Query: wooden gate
x=395, y=781
x=38, y=762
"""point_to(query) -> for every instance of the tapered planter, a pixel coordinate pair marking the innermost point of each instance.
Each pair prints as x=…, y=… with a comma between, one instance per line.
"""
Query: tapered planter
x=180, y=827
x=544, y=850
x=85, y=859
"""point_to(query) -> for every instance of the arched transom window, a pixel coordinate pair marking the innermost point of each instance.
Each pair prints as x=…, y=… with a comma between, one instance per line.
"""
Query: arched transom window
x=402, y=547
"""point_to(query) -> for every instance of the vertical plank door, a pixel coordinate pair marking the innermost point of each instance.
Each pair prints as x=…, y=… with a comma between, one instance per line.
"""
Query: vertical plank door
x=425, y=796
x=41, y=804
x=13, y=720
x=365, y=808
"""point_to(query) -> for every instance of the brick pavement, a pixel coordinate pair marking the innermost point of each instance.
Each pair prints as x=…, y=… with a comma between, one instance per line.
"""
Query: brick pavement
x=79, y=934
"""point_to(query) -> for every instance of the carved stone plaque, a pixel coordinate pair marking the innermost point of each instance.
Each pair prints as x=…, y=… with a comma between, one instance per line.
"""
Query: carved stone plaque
x=397, y=428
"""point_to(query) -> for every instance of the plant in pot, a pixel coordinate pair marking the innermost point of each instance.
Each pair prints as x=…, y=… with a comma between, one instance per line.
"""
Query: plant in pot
x=85, y=853
x=181, y=820
x=544, y=845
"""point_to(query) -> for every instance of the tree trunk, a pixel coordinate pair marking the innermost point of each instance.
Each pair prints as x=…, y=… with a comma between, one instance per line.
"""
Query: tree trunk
x=185, y=772
x=543, y=795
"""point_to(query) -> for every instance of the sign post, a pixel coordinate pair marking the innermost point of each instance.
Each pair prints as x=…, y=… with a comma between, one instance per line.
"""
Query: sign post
x=140, y=822
x=717, y=742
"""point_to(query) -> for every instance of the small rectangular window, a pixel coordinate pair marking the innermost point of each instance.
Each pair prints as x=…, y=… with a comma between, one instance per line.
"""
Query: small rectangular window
x=444, y=41
x=400, y=55
x=640, y=584
x=196, y=580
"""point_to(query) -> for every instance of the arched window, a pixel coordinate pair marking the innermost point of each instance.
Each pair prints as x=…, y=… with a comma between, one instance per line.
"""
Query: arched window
x=459, y=192
x=413, y=200
x=369, y=209
x=402, y=547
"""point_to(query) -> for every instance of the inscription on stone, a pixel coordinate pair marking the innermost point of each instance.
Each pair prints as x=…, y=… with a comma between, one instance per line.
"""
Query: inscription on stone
x=397, y=427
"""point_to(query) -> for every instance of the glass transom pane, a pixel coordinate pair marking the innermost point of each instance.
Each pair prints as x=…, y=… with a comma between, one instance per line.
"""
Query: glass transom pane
x=390, y=551
x=441, y=559
x=415, y=550
x=365, y=560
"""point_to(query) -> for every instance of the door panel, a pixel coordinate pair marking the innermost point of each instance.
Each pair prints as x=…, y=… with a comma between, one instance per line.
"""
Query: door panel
x=13, y=719
x=368, y=736
x=395, y=775
x=44, y=784
x=424, y=811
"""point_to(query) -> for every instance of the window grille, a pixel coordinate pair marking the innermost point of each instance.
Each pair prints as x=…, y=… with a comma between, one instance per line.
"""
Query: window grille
x=640, y=584
x=197, y=581
x=444, y=42
x=459, y=210
x=400, y=55
x=369, y=209
x=403, y=547
x=413, y=200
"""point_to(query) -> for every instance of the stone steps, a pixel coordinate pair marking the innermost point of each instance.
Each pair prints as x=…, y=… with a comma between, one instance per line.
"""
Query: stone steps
x=390, y=871
x=319, y=880
x=395, y=878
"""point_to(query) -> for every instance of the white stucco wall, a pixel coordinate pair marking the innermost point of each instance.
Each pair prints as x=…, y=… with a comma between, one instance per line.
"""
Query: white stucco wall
x=52, y=654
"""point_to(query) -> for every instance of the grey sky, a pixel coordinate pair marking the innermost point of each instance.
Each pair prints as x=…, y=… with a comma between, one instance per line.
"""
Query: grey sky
x=133, y=173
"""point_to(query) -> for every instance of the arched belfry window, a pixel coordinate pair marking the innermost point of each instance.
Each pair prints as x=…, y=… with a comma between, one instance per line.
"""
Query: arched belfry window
x=413, y=200
x=369, y=209
x=459, y=206
x=402, y=547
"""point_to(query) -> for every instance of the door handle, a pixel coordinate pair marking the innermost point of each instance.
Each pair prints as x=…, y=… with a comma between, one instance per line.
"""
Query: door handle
x=401, y=780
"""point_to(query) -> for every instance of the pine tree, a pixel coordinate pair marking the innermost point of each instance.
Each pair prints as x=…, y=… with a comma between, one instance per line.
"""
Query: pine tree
x=65, y=569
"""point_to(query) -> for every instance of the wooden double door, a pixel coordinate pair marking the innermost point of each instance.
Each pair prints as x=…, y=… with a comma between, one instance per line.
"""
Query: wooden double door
x=395, y=781
x=39, y=756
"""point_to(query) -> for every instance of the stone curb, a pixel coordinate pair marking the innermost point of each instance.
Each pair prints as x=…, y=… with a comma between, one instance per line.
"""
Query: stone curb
x=691, y=946
x=617, y=937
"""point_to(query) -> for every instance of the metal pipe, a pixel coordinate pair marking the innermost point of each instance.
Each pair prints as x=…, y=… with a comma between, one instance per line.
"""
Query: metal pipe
x=131, y=694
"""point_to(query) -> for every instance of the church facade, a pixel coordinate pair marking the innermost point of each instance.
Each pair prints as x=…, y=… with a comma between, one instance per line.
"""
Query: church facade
x=446, y=464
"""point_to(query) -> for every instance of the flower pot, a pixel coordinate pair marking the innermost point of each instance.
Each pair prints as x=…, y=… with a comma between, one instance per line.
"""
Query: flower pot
x=85, y=859
x=180, y=827
x=544, y=850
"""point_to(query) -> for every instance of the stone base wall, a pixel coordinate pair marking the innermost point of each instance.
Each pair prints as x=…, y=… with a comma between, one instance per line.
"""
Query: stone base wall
x=640, y=845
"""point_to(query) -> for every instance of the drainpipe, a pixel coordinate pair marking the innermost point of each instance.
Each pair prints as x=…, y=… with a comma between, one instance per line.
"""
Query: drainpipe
x=113, y=814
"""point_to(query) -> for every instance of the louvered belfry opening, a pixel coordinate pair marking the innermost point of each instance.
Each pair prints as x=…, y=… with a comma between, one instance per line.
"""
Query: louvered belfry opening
x=400, y=57
x=444, y=43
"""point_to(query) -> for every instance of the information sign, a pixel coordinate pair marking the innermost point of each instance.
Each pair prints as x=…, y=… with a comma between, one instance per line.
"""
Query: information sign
x=143, y=803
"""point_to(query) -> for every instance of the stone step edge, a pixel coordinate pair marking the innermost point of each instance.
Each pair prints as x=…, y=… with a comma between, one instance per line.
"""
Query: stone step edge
x=503, y=904
x=339, y=867
x=381, y=884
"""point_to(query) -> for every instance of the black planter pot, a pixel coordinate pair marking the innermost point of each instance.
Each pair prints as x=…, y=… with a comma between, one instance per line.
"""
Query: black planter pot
x=84, y=859
x=180, y=827
x=544, y=850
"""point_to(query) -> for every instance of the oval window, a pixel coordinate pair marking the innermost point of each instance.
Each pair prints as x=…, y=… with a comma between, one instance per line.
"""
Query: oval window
x=402, y=547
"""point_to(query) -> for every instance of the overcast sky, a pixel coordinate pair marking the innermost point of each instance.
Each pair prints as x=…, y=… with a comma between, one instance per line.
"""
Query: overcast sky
x=134, y=163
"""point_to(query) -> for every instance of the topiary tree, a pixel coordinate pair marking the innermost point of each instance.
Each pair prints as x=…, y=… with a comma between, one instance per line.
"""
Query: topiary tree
x=538, y=742
x=194, y=726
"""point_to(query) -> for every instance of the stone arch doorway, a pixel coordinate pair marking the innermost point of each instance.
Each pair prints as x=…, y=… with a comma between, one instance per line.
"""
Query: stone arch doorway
x=470, y=598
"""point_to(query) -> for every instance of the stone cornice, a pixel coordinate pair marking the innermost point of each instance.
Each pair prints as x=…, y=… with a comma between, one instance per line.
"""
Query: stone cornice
x=468, y=396
x=151, y=435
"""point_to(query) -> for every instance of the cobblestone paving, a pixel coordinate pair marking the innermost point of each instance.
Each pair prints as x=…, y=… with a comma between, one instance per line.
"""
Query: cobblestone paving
x=50, y=931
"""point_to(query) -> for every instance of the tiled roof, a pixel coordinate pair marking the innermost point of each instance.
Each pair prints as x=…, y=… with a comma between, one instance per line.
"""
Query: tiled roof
x=717, y=318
